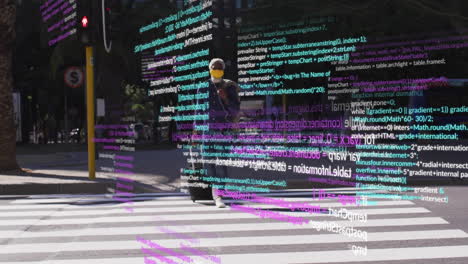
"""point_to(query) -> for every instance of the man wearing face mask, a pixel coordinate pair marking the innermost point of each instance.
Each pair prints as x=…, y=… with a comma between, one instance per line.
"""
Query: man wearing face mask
x=224, y=107
x=225, y=103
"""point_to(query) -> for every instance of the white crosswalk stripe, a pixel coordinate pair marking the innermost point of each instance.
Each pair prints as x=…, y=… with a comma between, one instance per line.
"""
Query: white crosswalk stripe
x=97, y=229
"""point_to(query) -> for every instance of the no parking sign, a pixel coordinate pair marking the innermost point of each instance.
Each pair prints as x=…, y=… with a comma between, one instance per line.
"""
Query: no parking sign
x=73, y=77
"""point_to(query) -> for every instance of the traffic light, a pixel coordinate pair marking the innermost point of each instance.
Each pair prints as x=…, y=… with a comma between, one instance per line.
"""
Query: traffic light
x=84, y=22
x=113, y=11
x=87, y=22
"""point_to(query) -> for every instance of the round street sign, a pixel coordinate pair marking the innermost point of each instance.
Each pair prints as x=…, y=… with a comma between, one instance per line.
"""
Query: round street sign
x=73, y=77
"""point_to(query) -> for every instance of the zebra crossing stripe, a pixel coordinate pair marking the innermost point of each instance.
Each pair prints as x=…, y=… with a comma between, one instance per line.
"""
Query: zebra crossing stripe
x=49, y=197
x=235, y=241
x=265, y=226
x=73, y=198
x=323, y=256
x=199, y=216
x=139, y=207
x=334, y=256
x=5, y=209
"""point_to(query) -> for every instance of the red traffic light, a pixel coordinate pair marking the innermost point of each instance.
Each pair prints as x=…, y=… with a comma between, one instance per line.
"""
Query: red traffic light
x=84, y=22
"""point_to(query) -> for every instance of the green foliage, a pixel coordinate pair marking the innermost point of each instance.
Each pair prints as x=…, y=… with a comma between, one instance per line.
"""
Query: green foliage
x=137, y=102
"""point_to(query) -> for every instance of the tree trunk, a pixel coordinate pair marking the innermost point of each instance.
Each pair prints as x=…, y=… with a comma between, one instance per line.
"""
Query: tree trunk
x=7, y=128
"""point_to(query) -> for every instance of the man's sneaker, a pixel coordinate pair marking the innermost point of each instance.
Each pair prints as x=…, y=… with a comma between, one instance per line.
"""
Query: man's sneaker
x=219, y=202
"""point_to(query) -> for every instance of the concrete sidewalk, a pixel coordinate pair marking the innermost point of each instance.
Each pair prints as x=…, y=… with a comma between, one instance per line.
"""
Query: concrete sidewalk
x=67, y=173
x=59, y=181
x=50, y=169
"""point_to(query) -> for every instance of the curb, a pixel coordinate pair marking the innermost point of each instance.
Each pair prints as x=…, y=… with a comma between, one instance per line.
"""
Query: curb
x=69, y=188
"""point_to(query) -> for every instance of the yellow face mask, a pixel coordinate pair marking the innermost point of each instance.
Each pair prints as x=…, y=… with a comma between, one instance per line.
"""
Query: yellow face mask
x=217, y=73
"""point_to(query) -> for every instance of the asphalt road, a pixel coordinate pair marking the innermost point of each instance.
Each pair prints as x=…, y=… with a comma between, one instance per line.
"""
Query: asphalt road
x=97, y=229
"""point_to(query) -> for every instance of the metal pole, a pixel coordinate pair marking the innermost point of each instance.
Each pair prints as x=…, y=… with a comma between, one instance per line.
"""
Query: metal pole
x=66, y=117
x=90, y=111
x=284, y=112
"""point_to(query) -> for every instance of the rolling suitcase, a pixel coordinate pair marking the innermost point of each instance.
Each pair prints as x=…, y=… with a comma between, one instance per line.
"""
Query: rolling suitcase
x=202, y=190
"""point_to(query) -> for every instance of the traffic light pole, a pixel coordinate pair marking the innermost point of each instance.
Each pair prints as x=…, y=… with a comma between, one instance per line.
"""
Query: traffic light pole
x=90, y=111
x=108, y=49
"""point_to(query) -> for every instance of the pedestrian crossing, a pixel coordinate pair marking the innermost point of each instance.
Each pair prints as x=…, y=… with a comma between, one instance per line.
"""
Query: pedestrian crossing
x=96, y=229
